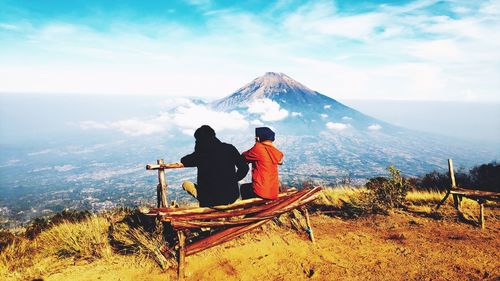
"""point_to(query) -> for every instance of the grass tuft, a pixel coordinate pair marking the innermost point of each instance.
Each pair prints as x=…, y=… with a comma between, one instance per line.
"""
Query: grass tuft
x=87, y=239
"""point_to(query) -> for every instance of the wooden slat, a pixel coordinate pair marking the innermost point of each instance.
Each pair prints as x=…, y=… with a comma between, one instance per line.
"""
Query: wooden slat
x=182, y=224
x=230, y=233
x=220, y=214
x=206, y=210
x=230, y=213
x=475, y=193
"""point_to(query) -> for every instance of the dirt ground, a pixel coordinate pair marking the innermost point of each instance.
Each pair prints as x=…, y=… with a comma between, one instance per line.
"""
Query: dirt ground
x=402, y=246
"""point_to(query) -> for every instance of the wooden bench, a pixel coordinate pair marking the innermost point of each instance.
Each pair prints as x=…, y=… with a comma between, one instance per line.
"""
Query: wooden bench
x=458, y=193
x=225, y=222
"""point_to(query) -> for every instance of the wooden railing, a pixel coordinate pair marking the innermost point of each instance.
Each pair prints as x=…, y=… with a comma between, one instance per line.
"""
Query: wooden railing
x=227, y=221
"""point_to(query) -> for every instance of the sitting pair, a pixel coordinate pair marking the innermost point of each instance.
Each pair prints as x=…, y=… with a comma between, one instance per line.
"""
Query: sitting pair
x=221, y=166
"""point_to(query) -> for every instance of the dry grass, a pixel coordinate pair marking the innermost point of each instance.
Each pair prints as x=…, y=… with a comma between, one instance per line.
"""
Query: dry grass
x=64, y=245
x=86, y=240
x=338, y=196
x=420, y=197
x=84, y=250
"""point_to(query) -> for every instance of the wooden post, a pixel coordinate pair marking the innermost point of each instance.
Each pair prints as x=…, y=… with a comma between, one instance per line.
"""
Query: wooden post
x=162, y=187
x=308, y=224
x=443, y=200
x=481, y=213
x=181, y=255
x=452, y=174
x=456, y=200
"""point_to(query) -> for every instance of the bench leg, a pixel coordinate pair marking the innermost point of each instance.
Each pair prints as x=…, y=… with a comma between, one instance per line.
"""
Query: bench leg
x=181, y=255
x=456, y=202
x=481, y=214
x=309, y=229
x=443, y=200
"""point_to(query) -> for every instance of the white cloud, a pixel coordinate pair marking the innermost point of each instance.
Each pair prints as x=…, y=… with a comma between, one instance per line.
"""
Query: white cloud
x=44, y=151
x=336, y=126
x=135, y=127
x=324, y=115
x=104, y=174
x=327, y=106
x=187, y=117
x=436, y=50
x=36, y=170
x=374, y=127
x=346, y=118
x=267, y=109
x=8, y=26
x=158, y=56
x=92, y=125
x=256, y=122
x=173, y=103
x=294, y=114
x=64, y=168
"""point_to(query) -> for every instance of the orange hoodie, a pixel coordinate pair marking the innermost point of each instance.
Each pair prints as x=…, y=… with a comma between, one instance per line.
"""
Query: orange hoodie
x=265, y=158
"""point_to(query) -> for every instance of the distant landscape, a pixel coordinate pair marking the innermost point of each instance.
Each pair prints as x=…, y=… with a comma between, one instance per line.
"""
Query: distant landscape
x=90, y=152
x=368, y=100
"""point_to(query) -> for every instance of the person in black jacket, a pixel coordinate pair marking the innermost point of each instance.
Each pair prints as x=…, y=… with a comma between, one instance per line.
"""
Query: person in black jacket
x=220, y=167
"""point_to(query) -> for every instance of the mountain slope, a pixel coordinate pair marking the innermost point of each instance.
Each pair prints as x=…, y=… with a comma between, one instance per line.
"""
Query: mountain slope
x=306, y=108
x=325, y=139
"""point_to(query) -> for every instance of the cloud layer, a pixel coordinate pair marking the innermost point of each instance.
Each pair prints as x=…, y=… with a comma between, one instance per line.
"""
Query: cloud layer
x=423, y=49
x=182, y=114
x=336, y=126
x=268, y=110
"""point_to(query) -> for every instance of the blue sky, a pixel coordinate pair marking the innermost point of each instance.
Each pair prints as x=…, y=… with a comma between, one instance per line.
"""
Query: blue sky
x=405, y=50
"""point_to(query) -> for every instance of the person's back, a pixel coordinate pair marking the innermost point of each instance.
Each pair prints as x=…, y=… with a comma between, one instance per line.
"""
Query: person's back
x=265, y=158
x=217, y=175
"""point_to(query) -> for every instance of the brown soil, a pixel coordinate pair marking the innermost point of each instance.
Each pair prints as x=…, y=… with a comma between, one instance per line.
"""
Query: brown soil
x=401, y=246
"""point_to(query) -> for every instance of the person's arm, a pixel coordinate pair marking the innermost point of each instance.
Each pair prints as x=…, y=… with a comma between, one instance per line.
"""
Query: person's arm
x=280, y=162
x=241, y=165
x=190, y=160
x=250, y=155
x=173, y=165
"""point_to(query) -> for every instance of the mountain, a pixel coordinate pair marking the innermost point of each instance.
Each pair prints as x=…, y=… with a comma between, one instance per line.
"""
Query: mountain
x=307, y=108
x=325, y=139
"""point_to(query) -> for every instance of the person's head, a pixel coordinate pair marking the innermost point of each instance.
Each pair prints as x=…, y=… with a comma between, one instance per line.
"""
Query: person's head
x=204, y=133
x=205, y=138
x=264, y=134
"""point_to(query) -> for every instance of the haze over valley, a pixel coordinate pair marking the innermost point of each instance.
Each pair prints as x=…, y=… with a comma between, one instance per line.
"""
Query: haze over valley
x=89, y=152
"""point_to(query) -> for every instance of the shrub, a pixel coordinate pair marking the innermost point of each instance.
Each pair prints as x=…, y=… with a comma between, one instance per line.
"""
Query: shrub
x=39, y=224
x=482, y=177
x=6, y=238
x=486, y=177
x=386, y=193
x=87, y=239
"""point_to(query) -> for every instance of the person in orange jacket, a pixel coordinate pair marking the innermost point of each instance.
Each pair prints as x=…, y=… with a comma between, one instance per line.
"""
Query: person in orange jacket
x=265, y=158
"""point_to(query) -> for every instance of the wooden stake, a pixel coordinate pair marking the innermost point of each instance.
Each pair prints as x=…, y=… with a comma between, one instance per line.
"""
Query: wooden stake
x=308, y=223
x=456, y=200
x=181, y=255
x=452, y=174
x=443, y=200
x=162, y=187
x=481, y=213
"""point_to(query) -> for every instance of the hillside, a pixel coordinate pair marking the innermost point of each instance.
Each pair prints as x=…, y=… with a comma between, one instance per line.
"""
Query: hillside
x=412, y=244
